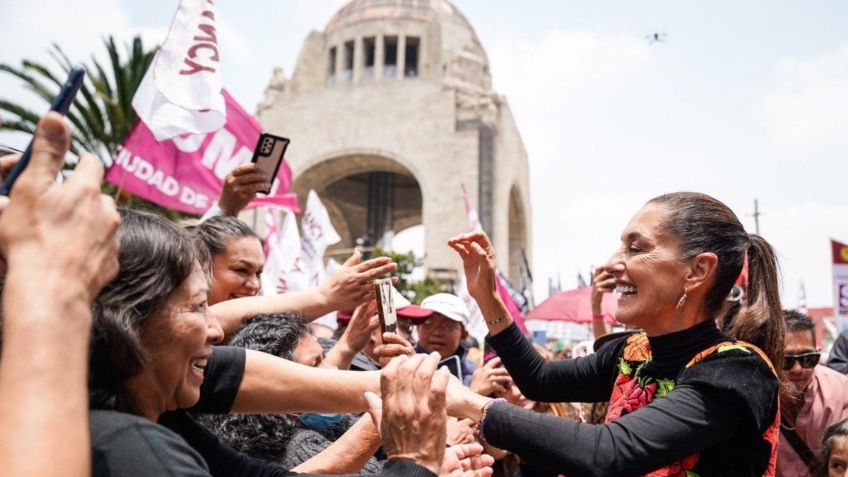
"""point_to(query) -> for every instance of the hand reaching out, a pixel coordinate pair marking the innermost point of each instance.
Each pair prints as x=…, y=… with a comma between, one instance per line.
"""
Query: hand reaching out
x=490, y=378
x=353, y=283
x=466, y=460
x=363, y=322
x=393, y=345
x=241, y=186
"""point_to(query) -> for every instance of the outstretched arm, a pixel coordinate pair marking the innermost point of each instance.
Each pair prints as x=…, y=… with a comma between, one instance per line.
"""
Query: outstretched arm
x=350, y=286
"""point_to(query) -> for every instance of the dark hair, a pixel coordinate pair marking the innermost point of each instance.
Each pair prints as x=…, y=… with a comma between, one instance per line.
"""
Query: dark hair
x=797, y=321
x=218, y=231
x=155, y=258
x=704, y=224
x=272, y=333
x=831, y=434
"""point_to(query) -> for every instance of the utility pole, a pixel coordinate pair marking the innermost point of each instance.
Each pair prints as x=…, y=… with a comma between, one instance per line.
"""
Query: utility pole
x=757, y=216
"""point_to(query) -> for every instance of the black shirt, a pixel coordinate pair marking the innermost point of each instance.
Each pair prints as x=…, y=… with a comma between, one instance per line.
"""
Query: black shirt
x=720, y=408
x=128, y=445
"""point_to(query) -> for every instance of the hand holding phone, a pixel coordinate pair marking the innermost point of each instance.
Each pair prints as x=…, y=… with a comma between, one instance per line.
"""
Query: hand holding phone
x=61, y=104
x=268, y=155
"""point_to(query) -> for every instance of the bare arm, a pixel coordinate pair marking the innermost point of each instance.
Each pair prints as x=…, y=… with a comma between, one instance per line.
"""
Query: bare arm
x=272, y=385
x=350, y=286
x=349, y=453
x=60, y=246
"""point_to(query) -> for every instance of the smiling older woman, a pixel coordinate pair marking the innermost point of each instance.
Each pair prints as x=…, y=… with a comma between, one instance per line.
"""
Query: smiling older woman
x=152, y=357
x=685, y=398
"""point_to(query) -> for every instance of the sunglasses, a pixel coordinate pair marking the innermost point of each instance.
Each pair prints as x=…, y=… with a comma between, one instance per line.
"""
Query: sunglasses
x=807, y=360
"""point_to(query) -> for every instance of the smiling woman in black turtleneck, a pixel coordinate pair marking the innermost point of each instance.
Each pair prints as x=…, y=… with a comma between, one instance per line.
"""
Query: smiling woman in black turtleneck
x=685, y=398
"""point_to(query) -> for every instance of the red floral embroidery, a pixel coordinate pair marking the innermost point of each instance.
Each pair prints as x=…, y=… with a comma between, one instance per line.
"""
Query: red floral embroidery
x=640, y=396
x=677, y=469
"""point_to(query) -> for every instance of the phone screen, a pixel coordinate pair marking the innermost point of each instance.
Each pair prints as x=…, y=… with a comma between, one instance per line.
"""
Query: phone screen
x=453, y=365
x=386, y=305
x=269, y=153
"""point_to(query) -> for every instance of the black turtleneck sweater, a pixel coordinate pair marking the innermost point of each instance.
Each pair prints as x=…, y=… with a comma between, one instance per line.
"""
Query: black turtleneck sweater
x=719, y=408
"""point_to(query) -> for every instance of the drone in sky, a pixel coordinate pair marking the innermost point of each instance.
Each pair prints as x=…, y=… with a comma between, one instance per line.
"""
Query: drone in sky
x=656, y=37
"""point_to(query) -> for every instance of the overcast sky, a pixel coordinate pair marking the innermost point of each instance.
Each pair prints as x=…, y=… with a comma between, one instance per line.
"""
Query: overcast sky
x=742, y=100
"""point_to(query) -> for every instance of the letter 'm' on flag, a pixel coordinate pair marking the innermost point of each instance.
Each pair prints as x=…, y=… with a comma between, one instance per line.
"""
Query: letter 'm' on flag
x=186, y=173
x=181, y=93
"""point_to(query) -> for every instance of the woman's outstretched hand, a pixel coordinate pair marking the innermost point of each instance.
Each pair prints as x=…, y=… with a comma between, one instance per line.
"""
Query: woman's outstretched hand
x=478, y=260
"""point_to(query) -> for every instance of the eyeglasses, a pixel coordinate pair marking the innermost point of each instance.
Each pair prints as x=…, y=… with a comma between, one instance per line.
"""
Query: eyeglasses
x=807, y=360
x=447, y=327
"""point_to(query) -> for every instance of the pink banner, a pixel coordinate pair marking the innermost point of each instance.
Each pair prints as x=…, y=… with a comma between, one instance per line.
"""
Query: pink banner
x=186, y=173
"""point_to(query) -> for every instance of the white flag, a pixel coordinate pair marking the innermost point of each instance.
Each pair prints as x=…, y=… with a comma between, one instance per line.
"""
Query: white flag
x=181, y=91
x=316, y=234
x=282, y=247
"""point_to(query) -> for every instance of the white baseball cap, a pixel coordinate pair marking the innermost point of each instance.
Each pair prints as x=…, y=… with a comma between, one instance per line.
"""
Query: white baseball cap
x=449, y=306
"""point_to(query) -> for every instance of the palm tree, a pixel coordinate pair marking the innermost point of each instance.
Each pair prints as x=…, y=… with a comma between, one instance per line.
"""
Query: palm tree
x=102, y=114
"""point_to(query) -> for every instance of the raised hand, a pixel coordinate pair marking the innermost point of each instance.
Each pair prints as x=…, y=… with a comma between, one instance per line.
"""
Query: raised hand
x=363, y=322
x=478, y=260
x=490, y=378
x=604, y=282
x=353, y=283
x=241, y=186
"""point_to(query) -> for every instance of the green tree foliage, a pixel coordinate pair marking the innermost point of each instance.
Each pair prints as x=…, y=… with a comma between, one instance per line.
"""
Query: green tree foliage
x=102, y=114
x=414, y=290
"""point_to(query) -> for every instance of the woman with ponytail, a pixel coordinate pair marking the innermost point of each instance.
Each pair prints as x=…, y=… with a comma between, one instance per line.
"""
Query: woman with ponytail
x=685, y=398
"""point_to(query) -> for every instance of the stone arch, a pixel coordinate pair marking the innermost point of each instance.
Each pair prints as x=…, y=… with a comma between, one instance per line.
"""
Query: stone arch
x=343, y=182
x=518, y=235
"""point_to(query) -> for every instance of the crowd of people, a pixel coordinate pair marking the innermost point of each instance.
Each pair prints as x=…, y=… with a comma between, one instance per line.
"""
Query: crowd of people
x=132, y=345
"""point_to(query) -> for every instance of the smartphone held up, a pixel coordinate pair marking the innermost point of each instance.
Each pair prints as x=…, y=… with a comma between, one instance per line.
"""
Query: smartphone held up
x=386, y=305
x=268, y=155
x=61, y=104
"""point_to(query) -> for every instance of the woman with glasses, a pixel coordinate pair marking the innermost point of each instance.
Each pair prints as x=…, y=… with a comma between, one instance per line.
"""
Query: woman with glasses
x=820, y=399
x=685, y=398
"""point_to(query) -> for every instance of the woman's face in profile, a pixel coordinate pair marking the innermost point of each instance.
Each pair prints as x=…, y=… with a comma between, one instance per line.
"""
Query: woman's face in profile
x=179, y=341
x=649, y=277
x=237, y=269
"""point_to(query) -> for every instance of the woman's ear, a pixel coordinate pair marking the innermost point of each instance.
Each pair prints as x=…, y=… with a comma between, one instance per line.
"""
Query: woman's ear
x=702, y=270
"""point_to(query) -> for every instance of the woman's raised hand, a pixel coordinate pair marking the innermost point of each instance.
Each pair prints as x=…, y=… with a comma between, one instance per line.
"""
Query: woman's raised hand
x=478, y=260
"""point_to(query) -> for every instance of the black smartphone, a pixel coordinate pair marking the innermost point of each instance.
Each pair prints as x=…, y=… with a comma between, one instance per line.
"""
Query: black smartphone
x=61, y=104
x=268, y=155
x=453, y=365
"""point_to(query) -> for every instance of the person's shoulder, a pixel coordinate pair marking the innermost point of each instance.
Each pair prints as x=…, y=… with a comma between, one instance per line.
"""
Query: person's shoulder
x=124, y=444
x=830, y=379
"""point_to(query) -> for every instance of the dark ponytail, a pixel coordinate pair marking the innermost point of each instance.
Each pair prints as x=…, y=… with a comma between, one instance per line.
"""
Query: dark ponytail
x=704, y=224
x=762, y=323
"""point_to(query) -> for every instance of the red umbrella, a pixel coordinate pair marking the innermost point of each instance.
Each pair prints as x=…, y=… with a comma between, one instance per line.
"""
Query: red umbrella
x=574, y=306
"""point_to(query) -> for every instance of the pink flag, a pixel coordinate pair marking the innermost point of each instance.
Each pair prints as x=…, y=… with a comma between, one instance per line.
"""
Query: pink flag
x=186, y=173
x=474, y=225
